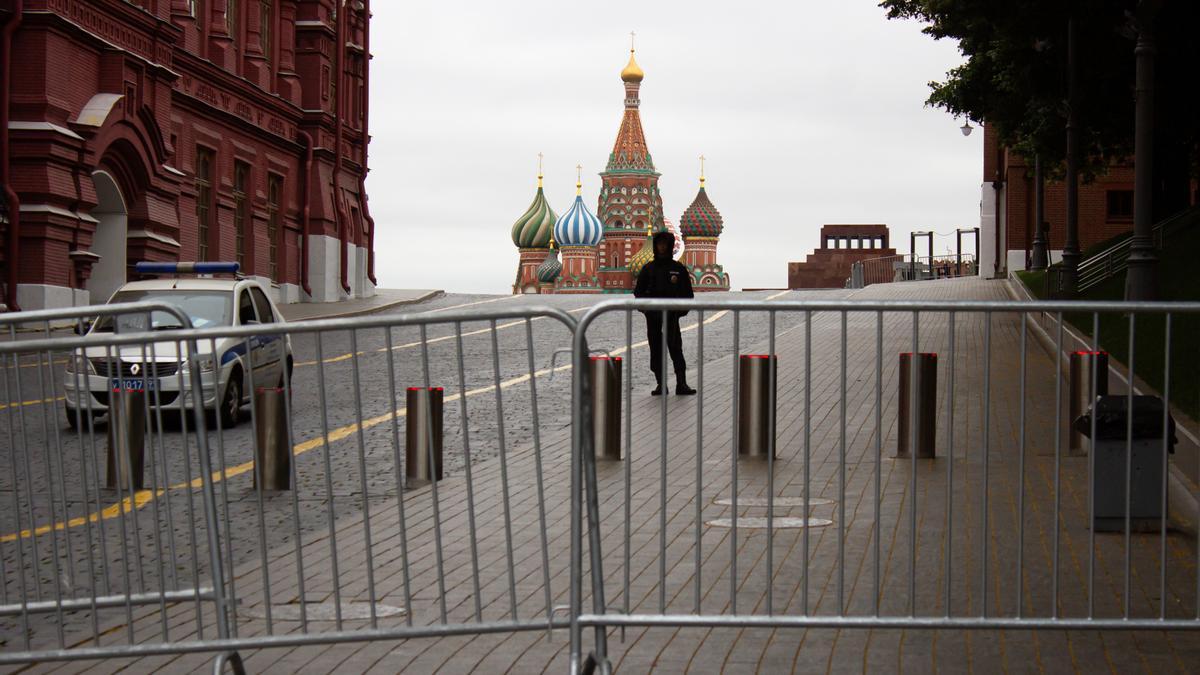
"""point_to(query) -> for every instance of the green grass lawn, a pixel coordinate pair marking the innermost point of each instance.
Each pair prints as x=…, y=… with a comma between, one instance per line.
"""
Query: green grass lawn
x=1179, y=280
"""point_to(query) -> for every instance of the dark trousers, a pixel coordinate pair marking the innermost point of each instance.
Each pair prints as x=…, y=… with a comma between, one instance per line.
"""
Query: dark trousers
x=674, y=344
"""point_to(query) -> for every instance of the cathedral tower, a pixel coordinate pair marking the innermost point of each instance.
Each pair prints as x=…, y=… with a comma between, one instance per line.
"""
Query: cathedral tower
x=629, y=199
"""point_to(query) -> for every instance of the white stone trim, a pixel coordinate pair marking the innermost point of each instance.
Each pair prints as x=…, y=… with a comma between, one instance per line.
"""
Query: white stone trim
x=18, y=125
x=56, y=210
x=154, y=236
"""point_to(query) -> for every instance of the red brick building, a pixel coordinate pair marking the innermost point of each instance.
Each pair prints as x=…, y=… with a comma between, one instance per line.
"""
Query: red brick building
x=1105, y=209
x=184, y=130
x=841, y=247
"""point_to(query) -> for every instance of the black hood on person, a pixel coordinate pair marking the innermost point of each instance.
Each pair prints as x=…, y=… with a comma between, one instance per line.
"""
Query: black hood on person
x=669, y=247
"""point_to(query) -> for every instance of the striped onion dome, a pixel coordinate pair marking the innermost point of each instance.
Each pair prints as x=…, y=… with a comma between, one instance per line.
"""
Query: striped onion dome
x=578, y=227
x=550, y=268
x=533, y=228
x=701, y=219
x=644, y=255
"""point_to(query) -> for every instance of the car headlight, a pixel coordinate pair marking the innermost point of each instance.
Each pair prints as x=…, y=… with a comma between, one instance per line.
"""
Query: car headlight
x=79, y=365
x=205, y=363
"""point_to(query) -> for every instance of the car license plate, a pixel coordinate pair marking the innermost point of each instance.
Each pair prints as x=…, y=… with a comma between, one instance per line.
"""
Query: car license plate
x=130, y=384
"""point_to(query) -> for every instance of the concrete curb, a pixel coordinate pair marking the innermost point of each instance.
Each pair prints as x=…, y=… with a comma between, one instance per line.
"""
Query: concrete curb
x=1183, y=496
x=374, y=309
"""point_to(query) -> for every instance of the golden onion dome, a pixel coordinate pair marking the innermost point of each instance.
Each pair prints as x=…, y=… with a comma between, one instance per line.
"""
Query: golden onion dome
x=632, y=72
x=644, y=256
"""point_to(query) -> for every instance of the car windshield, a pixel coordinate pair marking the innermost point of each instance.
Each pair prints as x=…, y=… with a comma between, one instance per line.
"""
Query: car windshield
x=204, y=308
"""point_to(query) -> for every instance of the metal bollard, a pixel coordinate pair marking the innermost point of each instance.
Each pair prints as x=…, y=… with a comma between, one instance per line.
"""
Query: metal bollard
x=423, y=426
x=755, y=412
x=126, y=440
x=272, y=456
x=606, y=407
x=1083, y=364
x=923, y=411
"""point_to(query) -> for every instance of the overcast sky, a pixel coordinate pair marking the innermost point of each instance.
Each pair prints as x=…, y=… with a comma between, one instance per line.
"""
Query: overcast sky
x=808, y=113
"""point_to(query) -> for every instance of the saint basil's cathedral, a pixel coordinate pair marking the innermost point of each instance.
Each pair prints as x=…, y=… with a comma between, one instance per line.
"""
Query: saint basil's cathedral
x=603, y=253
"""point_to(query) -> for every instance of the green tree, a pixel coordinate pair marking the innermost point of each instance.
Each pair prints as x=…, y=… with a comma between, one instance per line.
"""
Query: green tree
x=1014, y=78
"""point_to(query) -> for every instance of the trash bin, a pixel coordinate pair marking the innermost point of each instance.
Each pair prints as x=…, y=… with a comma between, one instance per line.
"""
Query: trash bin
x=272, y=456
x=1083, y=365
x=606, y=407
x=126, y=439
x=920, y=410
x=755, y=412
x=423, y=421
x=1111, y=449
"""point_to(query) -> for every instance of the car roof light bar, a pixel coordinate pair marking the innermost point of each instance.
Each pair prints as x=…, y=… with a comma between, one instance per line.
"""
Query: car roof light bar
x=186, y=268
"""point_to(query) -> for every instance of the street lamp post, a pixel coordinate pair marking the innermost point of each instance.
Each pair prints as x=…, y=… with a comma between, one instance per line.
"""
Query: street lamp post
x=1039, y=259
x=1071, y=254
x=1141, y=276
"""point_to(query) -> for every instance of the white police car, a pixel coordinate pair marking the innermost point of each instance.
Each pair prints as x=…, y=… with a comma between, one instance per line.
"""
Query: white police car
x=157, y=369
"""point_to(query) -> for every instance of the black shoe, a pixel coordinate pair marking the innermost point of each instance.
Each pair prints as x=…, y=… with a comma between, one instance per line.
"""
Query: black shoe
x=682, y=389
x=657, y=391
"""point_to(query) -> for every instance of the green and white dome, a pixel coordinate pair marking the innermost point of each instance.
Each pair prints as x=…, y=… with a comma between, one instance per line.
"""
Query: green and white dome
x=535, y=227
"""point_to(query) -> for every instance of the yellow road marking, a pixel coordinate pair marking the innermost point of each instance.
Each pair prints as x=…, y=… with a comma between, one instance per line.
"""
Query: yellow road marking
x=143, y=497
x=33, y=402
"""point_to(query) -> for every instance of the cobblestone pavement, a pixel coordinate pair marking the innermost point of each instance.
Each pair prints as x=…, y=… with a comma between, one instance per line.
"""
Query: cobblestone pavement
x=933, y=568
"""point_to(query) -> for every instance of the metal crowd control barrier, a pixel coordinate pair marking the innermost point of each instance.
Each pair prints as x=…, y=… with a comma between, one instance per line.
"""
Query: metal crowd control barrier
x=201, y=563
x=918, y=405
x=827, y=532
x=1089, y=381
x=424, y=431
x=1006, y=491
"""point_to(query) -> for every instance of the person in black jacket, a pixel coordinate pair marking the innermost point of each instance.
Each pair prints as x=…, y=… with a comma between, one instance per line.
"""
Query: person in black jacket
x=665, y=277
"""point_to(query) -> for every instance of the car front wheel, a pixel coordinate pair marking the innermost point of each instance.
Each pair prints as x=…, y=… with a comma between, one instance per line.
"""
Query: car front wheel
x=231, y=404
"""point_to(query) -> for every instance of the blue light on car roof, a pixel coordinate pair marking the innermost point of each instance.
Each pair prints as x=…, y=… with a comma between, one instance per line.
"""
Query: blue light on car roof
x=186, y=267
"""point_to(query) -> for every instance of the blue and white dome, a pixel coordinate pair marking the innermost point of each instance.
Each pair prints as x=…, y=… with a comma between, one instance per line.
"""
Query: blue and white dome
x=578, y=227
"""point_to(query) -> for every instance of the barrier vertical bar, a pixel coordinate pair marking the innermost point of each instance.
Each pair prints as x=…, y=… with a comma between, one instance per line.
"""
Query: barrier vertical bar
x=14, y=402
x=662, y=450
x=233, y=601
x=508, y=538
x=329, y=512
x=1095, y=374
x=294, y=481
x=400, y=478
x=362, y=473
x=733, y=550
x=1129, y=460
x=1058, y=349
x=948, y=573
x=433, y=484
x=1021, y=476
x=915, y=423
x=987, y=425
x=841, y=575
x=537, y=465
x=807, y=446
x=771, y=405
x=48, y=461
x=1162, y=551
x=878, y=451
x=628, y=460
x=699, y=458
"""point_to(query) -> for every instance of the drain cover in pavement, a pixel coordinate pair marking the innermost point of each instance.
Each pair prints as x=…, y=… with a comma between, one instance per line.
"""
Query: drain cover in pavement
x=779, y=501
x=781, y=523
x=324, y=611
